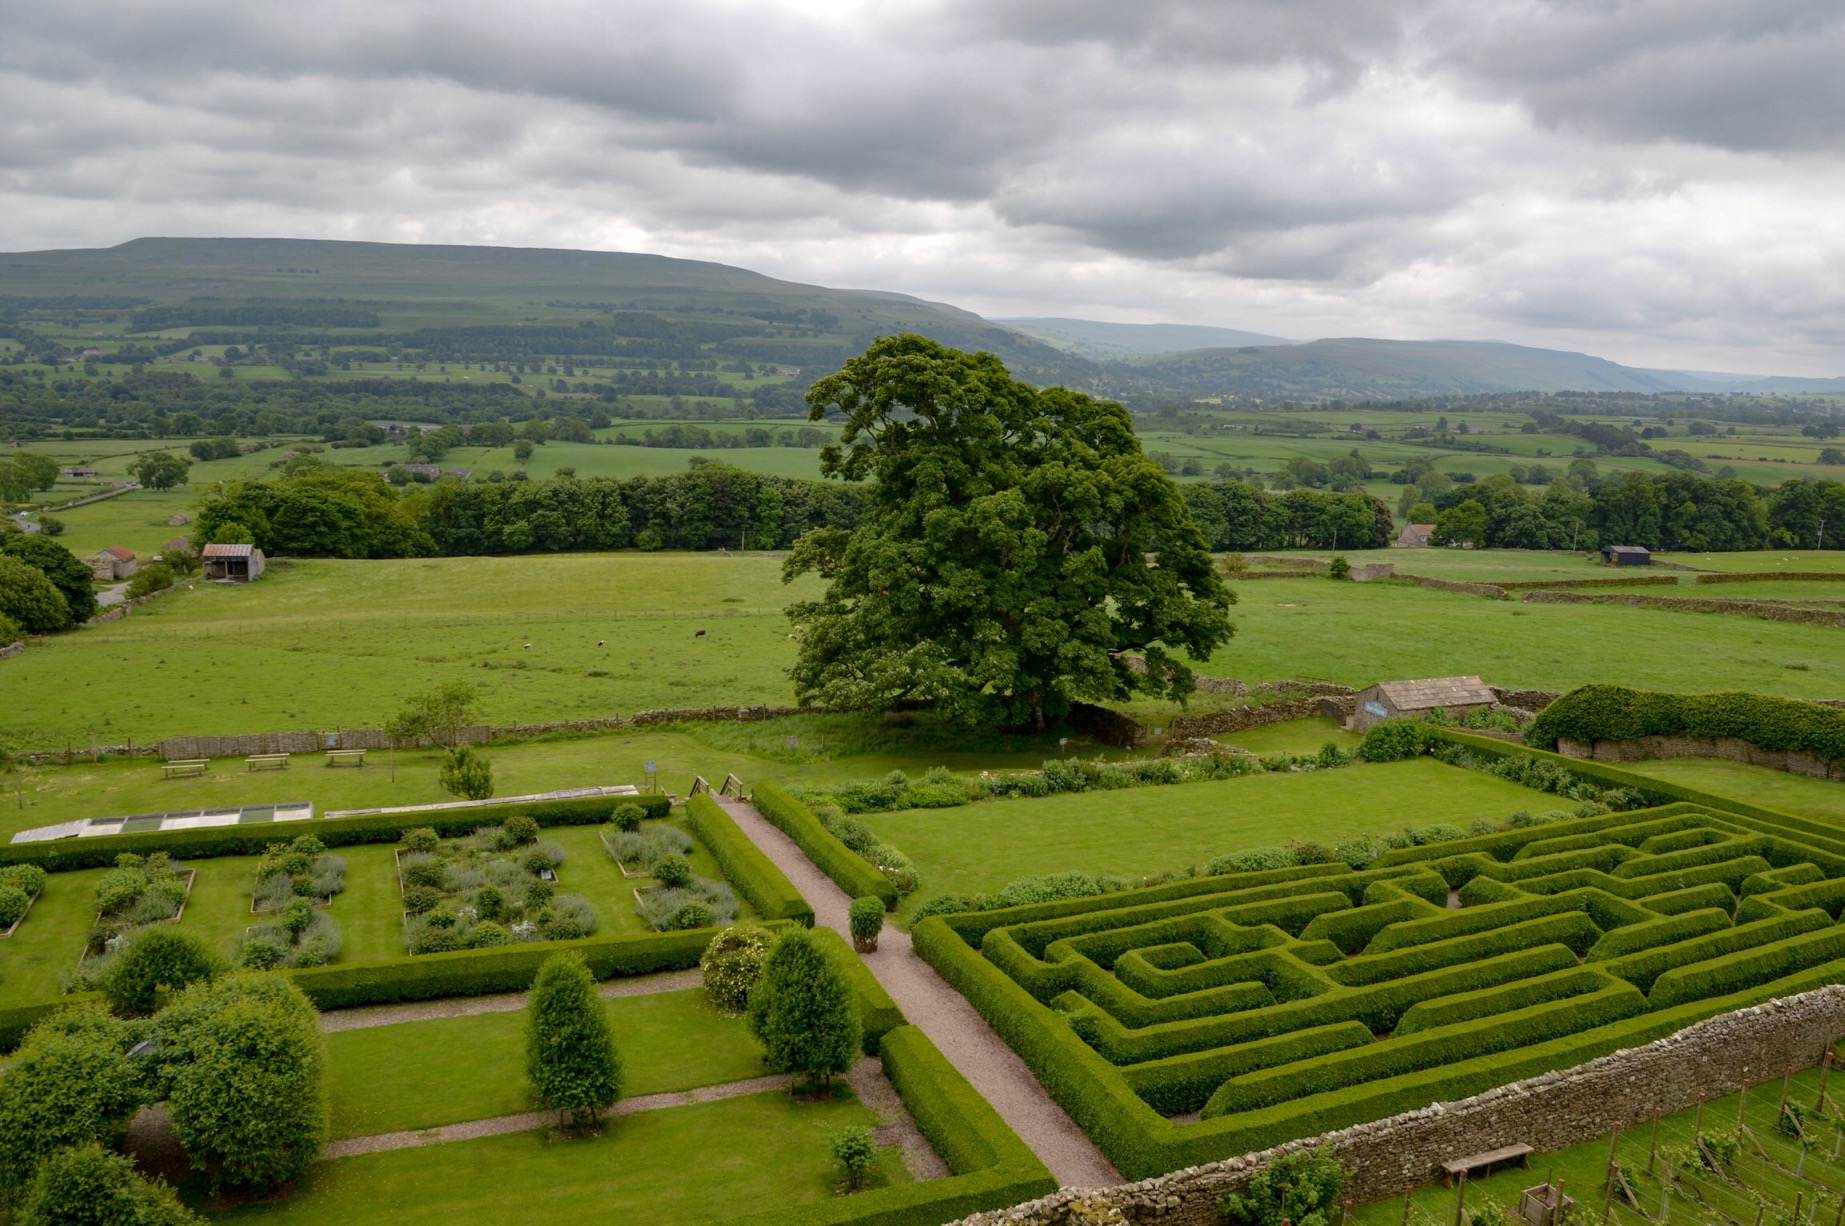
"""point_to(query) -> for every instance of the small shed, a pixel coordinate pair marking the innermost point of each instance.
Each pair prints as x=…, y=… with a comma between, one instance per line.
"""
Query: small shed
x=1626, y=555
x=1452, y=696
x=236, y=563
x=113, y=564
x=78, y=472
x=1415, y=534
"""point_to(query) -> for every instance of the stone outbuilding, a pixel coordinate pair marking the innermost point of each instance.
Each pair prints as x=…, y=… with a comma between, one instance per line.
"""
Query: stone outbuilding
x=236, y=563
x=1415, y=535
x=1452, y=696
x=113, y=564
x=1626, y=555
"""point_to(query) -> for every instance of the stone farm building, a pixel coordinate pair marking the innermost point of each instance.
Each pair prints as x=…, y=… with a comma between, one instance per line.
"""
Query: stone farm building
x=1453, y=696
x=1415, y=534
x=1626, y=555
x=113, y=564
x=237, y=563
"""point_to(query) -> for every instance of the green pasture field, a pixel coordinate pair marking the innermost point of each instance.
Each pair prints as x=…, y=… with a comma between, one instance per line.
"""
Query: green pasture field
x=1803, y=794
x=687, y=1165
x=978, y=848
x=1813, y=591
x=403, y=1076
x=136, y=520
x=1755, y=1180
x=369, y=912
x=1472, y=565
x=1286, y=1002
x=1831, y=560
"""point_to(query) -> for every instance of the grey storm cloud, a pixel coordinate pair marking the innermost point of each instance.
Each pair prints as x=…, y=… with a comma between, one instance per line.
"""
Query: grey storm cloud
x=1656, y=180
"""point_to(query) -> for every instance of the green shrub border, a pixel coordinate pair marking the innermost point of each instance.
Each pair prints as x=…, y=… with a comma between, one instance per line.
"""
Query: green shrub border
x=992, y=1168
x=1616, y=713
x=849, y=871
x=101, y=850
x=752, y=873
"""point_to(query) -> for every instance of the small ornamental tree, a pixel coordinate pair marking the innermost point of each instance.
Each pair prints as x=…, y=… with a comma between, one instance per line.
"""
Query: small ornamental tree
x=855, y=1149
x=89, y=1186
x=569, y=1053
x=732, y=964
x=153, y=959
x=866, y=916
x=802, y=1011
x=1301, y=1188
x=70, y=1082
x=241, y=1059
x=468, y=774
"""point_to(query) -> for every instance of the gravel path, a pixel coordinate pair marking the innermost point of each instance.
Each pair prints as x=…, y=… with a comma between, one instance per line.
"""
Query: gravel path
x=896, y=1126
x=944, y=1015
x=501, y=1124
x=504, y=1002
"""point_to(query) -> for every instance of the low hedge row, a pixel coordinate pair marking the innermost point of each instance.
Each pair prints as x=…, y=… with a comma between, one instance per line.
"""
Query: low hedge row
x=1665, y=931
x=992, y=1167
x=1748, y=967
x=1353, y=930
x=1573, y=930
x=101, y=850
x=1617, y=713
x=849, y=870
x=877, y=1012
x=751, y=873
x=1691, y=898
x=1643, y=968
x=1426, y=1049
x=1186, y=1082
x=1507, y=998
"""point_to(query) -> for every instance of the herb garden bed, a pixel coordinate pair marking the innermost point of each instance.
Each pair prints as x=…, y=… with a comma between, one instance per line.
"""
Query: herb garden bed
x=496, y=886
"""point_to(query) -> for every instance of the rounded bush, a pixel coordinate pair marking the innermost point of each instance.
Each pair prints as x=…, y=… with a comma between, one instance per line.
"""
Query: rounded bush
x=866, y=917
x=421, y=838
x=420, y=898
x=151, y=960
x=732, y=963
x=261, y=954
x=521, y=829
x=486, y=934
x=13, y=902
x=672, y=871
x=29, y=878
x=422, y=872
x=627, y=816
x=693, y=914
x=489, y=904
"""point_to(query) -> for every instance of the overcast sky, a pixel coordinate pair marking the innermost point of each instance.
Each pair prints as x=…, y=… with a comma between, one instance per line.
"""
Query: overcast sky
x=1661, y=182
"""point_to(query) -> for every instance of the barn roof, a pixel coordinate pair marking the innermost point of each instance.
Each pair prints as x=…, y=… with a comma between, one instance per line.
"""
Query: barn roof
x=1633, y=549
x=118, y=553
x=1435, y=692
x=227, y=551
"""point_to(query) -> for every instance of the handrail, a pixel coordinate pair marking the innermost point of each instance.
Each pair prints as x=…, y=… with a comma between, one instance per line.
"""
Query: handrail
x=699, y=784
x=733, y=786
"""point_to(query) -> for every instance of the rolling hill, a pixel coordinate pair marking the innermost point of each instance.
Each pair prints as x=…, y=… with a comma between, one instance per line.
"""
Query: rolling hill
x=1109, y=342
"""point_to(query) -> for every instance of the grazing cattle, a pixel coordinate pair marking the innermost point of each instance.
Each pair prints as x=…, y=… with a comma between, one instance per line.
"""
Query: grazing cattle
x=698, y=634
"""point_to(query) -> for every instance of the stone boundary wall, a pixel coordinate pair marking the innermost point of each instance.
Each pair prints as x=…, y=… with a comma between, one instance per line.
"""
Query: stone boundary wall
x=1240, y=575
x=13, y=648
x=118, y=611
x=1258, y=715
x=1525, y=700
x=1533, y=585
x=1708, y=1059
x=1728, y=748
x=1813, y=576
x=1700, y=604
x=1368, y=571
x=1491, y=590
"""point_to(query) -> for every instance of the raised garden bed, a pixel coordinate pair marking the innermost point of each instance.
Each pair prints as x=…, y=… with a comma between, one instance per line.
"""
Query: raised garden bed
x=20, y=886
x=496, y=886
x=303, y=868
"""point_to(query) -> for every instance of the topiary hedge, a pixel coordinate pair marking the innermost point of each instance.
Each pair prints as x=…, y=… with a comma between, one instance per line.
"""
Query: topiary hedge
x=101, y=850
x=749, y=871
x=1617, y=713
x=849, y=871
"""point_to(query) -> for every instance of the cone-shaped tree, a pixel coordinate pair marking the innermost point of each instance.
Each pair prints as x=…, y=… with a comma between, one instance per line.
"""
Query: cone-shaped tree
x=802, y=1010
x=569, y=1053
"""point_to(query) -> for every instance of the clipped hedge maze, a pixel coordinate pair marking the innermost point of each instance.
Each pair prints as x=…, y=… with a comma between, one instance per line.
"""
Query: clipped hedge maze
x=1215, y=1016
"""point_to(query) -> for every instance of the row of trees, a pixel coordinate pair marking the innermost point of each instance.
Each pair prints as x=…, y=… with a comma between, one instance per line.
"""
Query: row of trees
x=1236, y=516
x=342, y=513
x=1675, y=511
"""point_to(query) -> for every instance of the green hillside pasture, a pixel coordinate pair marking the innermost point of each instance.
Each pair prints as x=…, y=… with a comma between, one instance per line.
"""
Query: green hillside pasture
x=1476, y=565
x=686, y=1165
x=1758, y=785
x=136, y=520
x=370, y=912
x=400, y=1077
x=1832, y=560
x=326, y=643
x=978, y=848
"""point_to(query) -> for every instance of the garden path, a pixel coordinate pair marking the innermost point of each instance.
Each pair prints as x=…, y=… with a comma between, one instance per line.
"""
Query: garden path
x=944, y=1015
x=503, y=1002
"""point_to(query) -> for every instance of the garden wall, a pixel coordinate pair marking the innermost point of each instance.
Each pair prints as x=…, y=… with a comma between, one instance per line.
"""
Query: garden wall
x=1491, y=590
x=1729, y=748
x=1709, y=1059
x=1525, y=700
x=12, y=649
x=1215, y=723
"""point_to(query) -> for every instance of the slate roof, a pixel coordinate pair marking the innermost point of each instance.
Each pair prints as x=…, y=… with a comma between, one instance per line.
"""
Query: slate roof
x=1437, y=692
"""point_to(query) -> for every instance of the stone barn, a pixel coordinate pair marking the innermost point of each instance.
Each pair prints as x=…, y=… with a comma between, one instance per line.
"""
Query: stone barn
x=1415, y=535
x=236, y=563
x=1626, y=555
x=113, y=564
x=1452, y=696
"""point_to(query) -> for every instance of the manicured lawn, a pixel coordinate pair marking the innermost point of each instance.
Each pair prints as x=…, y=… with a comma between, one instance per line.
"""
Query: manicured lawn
x=1296, y=737
x=980, y=847
x=684, y=1164
x=1759, y=785
x=50, y=939
x=444, y=1071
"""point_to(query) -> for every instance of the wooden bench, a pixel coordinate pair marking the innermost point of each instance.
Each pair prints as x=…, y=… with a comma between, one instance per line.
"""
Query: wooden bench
x=345, y=757
x=266, y=762
x=1474, y=1165
x=185, y=769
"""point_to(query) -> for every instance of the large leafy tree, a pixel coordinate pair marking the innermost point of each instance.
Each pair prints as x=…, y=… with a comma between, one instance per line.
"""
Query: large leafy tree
x=71, y=1081
x=1018, y=547
x=159, y=470
x=30, y=599
x=65, y=570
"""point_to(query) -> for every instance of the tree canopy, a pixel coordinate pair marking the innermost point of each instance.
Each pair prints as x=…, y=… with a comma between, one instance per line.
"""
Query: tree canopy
x=160, y=470
x=65, y=570
x=1017, y=548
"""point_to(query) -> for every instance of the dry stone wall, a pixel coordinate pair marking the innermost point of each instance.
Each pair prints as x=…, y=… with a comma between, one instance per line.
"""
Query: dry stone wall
x=1768, y=609
x=1709, y=1059
x=1729, y=748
